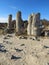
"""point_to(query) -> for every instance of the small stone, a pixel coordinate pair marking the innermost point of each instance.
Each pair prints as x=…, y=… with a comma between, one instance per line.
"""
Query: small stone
x=14, y=57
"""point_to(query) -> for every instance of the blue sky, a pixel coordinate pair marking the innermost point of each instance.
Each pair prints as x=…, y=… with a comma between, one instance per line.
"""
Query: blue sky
x=25, y=6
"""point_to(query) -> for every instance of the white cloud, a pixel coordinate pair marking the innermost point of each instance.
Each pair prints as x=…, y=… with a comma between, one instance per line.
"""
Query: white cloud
x=13, y=7
x=3, y=19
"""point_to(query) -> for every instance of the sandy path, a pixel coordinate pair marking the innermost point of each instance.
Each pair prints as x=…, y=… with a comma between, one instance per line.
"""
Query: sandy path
x=15, y=51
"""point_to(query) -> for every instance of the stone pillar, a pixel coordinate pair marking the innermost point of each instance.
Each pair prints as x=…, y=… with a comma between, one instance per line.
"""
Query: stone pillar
x=29, y=25
x=34, y=25
x=38, y=23
x=33, y=28
x=10, y=21
x=18, y=22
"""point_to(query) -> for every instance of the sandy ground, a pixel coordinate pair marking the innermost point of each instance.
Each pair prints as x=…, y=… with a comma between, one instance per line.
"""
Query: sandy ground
x=15, y=51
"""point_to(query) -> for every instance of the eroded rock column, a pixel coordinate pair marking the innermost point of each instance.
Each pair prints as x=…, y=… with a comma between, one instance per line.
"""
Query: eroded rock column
x=18, y=23
x=10, y=21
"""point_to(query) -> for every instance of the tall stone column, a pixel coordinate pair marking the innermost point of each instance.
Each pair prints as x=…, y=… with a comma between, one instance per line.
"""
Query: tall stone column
x=29, y=25
x=33, y=28
x=10, y=21
x=38, y=23
x=18, y=22
x=34, y=25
